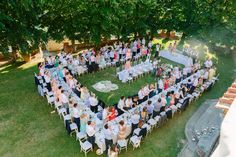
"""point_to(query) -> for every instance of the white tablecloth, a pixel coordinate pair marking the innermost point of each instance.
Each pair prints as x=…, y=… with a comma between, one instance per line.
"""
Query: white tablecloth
x=136, y=70
x=176, y=57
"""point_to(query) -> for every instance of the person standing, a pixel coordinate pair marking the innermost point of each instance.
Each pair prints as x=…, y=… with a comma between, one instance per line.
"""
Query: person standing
x=121, y=105
x=90, y=130
x=108, y=137
x=93, y=103
x=157, y=50
x=157, y=107
x=135, y=120
x=76, y=115
x=149, y=109
x=64, y=100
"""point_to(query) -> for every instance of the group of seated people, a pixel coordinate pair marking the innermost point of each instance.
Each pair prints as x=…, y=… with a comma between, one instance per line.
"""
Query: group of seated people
x=65, y=66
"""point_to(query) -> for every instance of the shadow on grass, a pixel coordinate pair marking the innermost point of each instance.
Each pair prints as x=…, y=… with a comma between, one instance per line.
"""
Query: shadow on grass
x=5, y=68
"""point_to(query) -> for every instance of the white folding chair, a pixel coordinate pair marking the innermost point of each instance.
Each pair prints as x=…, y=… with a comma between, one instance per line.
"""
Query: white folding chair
x=122, y=144
x=136, y=131
x=57, y=105
x=40, y=90
x=81, y=136
x=135, y=141
x=73, y=128
x=179, y=106
x=85, y=146
x=44, y=84
x=66, y=117
x=45, y=90
x=174, y=109
x=164, y=118
x=148, y=128
x=50, y=100
x=61, y=111
x=157, y=118
x=50, y=94
x=152, y=123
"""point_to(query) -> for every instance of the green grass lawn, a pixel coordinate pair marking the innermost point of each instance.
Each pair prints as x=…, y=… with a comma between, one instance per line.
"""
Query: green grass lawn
x=29, y=129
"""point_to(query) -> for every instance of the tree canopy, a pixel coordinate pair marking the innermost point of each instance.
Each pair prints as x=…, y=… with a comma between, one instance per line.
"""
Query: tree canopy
x=24, y=24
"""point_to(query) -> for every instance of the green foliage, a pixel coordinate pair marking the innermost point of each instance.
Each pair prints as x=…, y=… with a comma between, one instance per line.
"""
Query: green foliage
x=20, y=25
x=26, y=23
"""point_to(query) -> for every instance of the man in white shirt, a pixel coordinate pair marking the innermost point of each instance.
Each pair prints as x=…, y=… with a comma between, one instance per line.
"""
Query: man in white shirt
x=177, y=76
x=93, y=103
x=157, y=50
x=141, y=95
x=90, y=130
x=157, y=107
x=108, y=137
x=112, y=55
x=120, y=52
x=106, y=55
x=48, y=80
x=195, y=84
x=50, y=62
x=76, y=113
x=65, y=101
x=134, y=51
x=135, y=120
x=128, y=103
x=121, y=105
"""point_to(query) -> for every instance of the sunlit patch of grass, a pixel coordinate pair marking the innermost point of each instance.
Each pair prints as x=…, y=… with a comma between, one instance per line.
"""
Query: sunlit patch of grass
x=30, y=64
x=5, y=71
x=164, y=42
x=5, y=66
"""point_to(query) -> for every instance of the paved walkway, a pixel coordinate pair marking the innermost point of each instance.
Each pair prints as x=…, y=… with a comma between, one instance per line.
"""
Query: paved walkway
x=206, y=116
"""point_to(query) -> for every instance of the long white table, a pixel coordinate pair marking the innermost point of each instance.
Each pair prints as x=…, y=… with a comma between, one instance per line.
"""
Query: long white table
x=135, y=71
x=176, y=57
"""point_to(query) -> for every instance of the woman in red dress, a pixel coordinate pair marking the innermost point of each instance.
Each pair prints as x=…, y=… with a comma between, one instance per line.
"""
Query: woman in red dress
x=112, y=113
